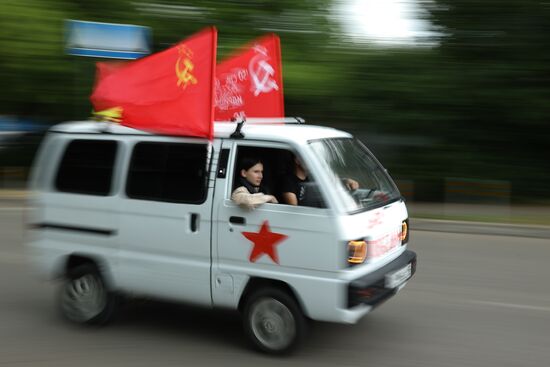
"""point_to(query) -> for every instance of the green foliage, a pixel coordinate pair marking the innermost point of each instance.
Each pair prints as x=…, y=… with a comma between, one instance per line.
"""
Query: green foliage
x=475, y=105
x=496, y=57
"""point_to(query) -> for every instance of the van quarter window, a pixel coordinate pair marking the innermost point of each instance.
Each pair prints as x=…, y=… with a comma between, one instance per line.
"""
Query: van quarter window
x=87, y=167
x=170, y=172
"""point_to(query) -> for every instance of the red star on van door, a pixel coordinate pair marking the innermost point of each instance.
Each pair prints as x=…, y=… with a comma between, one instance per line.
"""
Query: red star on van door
x=264, y=242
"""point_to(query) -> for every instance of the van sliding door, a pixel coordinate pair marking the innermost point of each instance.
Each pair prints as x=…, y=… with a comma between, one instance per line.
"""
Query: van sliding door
x=166, y=220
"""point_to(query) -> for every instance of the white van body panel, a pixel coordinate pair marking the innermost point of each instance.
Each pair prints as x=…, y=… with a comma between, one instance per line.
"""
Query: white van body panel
x=309, y=231
x=50, y=247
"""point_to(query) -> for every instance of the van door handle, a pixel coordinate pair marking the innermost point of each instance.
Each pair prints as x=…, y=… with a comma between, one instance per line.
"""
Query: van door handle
x=194, y=223
x=237, y=220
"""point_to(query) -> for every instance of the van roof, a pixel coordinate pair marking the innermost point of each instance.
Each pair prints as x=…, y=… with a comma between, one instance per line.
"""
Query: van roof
x=297, y=133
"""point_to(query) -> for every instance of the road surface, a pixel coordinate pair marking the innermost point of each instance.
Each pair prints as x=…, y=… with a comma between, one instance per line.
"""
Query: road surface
x=476, y=300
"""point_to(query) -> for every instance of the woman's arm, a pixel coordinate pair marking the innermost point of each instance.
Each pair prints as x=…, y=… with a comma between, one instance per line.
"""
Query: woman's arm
x=242, y=197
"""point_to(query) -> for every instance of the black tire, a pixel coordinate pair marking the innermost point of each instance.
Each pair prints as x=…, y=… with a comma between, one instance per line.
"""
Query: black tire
x=273, y=321
x=85, y=298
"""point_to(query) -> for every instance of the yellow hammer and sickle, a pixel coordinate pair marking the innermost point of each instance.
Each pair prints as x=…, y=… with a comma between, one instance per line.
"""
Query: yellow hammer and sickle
x=184, y=76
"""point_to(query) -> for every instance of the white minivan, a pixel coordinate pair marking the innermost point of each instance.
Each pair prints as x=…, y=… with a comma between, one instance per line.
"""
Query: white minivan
x=123, y=211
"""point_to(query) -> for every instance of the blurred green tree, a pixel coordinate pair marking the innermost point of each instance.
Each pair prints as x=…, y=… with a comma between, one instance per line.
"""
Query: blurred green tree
x=496, y=56
x=474, y=103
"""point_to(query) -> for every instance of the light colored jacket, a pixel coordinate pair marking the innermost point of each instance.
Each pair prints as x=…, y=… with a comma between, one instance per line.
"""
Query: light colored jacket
x=247, y=200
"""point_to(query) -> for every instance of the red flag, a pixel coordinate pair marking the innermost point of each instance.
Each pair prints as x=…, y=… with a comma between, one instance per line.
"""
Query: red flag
x=170, y=92
x=251, y=83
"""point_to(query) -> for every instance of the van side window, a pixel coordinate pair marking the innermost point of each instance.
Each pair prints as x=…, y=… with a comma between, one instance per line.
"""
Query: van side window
x=171, y=172
x=87, y=167
x=278, y=164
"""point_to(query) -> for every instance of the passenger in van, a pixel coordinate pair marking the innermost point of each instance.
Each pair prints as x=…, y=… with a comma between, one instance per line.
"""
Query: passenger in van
x=298, y=190
x=250, y=193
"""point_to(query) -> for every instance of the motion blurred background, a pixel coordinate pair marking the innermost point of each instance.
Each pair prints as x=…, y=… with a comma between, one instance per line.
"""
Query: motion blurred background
x=452, y=96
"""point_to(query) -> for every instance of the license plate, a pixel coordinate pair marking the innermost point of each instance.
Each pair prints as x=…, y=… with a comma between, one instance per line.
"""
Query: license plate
x=398, y=277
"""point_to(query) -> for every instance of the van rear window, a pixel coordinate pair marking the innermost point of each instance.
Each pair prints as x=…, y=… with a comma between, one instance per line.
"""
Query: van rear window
x=171, y=172
x=87, y=167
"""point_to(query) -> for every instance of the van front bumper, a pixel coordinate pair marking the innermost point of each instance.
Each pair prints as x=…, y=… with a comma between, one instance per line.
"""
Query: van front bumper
x=374, y=288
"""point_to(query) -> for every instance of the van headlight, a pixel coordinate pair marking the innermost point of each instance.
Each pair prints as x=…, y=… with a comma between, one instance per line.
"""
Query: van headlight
x=357, y=252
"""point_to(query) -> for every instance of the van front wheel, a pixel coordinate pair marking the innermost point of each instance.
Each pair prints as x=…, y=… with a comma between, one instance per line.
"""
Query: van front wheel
x=84, y=297
x=273, y=321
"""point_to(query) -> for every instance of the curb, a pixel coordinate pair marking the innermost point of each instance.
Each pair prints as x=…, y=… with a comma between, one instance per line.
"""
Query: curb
x=13, y=197
x=492, y=229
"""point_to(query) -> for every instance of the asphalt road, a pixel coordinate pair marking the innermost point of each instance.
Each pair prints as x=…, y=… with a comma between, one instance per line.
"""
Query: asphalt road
x=476, y=300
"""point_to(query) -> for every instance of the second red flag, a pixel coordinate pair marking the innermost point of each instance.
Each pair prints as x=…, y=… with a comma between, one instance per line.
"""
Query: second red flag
x=250, y=84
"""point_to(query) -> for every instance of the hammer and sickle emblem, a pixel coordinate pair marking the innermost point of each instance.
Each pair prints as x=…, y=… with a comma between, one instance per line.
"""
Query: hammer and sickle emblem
x=184, y=68
x=261, y=72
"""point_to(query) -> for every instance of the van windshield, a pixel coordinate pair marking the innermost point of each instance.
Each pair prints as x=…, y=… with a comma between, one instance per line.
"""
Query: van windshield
x=360, y=181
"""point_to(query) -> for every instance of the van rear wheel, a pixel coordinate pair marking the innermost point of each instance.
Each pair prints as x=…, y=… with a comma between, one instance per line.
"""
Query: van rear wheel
x=273, y=321
x=85, y=298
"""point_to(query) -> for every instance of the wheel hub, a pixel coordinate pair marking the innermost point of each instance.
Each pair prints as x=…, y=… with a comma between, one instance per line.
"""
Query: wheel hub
x=83, y=298
x=273, y=324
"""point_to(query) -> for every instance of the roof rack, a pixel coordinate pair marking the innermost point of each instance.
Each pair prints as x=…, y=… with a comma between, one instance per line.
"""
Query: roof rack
x=237, y=134
x=271, y=120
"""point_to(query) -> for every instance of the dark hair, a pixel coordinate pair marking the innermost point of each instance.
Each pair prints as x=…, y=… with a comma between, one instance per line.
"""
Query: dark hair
x=248, y=162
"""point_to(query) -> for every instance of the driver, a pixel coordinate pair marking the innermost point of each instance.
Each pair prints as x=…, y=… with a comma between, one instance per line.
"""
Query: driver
x=295, y=185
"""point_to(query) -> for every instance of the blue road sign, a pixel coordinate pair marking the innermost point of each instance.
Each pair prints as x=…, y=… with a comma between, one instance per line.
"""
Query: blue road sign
x=107, y=40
